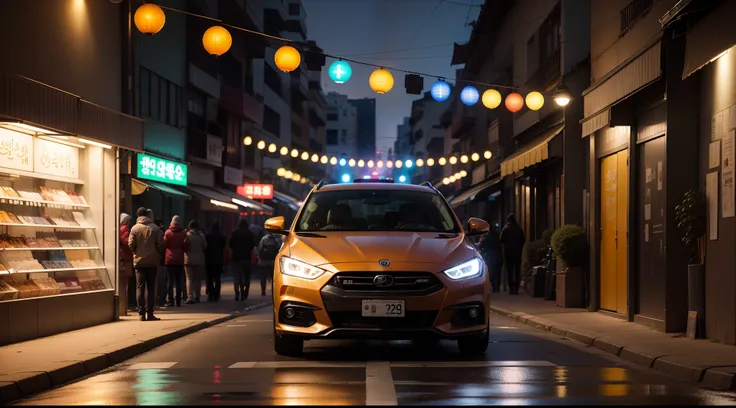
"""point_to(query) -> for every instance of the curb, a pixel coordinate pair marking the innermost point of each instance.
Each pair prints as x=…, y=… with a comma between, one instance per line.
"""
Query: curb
x=25, y=384
x=719, y=378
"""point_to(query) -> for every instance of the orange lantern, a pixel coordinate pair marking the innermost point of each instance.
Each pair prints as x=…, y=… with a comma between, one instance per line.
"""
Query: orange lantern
x=287, y=58
x=217, y=40
x=514, y=102
x=381, y=81
x=149, y=19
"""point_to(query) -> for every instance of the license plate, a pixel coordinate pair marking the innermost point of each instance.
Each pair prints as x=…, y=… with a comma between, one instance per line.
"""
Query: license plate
x=384, y=308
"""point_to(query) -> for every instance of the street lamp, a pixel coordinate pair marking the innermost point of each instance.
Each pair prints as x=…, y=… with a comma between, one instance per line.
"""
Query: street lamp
x=562, y=96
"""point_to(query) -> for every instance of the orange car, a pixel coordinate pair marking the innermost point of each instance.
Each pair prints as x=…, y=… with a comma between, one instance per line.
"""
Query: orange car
x=378, y=260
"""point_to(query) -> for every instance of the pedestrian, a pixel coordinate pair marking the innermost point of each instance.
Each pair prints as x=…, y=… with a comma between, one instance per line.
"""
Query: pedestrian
x=490, y=249
x=268, y=248
x=126, y=263
x=174, y=238
x=241, y=245
x=195, y=245
x=512, y=238
x=214, y=258
x=146, y=241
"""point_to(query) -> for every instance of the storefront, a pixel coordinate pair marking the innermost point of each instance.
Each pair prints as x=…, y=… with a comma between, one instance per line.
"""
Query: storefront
x=156, y=186
x=481, y=200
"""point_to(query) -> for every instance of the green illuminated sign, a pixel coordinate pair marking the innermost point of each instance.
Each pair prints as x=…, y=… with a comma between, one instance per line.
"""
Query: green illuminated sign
x=158, y=169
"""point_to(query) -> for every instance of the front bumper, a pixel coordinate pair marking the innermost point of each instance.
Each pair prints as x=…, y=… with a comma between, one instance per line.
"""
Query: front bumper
x=436, y=308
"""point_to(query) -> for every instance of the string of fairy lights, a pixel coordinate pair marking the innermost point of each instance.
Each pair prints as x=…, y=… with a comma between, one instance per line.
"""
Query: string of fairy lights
x=150, y=19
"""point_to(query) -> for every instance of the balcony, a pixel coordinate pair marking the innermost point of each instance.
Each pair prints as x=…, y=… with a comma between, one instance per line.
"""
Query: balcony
x=242, y=104
x=548, y=73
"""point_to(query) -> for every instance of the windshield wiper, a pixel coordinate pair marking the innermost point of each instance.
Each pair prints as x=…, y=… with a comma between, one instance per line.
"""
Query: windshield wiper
x=310, y=235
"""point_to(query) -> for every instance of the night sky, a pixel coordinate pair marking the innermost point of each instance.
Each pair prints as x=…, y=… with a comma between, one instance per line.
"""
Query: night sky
x=365, y=30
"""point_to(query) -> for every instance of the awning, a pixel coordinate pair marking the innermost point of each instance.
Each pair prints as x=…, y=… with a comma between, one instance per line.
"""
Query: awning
x=469, y=194
x=627, y=78
x=292, y=202
x=139, y=187
x=530, y=154
x=710, y=37
x=244, y=201
x=213, y=200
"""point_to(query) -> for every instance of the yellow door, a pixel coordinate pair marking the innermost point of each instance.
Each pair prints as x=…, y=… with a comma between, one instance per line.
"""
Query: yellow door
x=622, y=225
x=614, y=223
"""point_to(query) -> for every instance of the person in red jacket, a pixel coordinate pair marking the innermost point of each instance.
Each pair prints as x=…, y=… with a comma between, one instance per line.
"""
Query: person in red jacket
x=174, y=260
x=126, y=264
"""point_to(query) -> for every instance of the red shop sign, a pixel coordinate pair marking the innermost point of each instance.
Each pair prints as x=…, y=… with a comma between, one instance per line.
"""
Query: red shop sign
x=256, y=191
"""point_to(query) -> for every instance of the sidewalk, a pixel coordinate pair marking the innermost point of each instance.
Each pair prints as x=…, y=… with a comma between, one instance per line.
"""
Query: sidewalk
x=711, y=364
x=37, y=365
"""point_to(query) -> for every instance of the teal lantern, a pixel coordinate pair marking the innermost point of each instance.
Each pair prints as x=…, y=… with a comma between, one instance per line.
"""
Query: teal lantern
x=340, y=72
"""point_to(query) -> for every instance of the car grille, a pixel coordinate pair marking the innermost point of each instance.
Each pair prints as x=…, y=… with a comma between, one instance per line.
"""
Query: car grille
x=412, y=321
x=419, y=282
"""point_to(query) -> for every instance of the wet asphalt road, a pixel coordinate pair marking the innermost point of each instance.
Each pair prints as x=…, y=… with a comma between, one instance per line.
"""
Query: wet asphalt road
x=234, y=364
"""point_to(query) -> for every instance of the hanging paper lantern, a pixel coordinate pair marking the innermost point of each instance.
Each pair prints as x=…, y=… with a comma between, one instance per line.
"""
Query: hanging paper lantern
x=514, y=102
x=361, y=163
x=487, y=154
x=149, y=19
x=534, y=101
x=469, y=95
x=351, y=162
x=453, y=160
x=340, y=72
x=315, y=158
x=446, y=181
x=305, y=156
x=217, y=40
x=389, y=164
x=381, y=81
x=280, y=172
x=430, y=162
x=464, y=158
x=324, y=160
x=453, y=179
x=284, y=150
x=491, y=99
x=294, y=153
x=333, y=160
x=288, y=174
x=440, y=91
x=475, y=157
x=272, y=148
x=370, y=164
x=261, y=145
x=287, y=58
x=379, y=164
x=463, y=173
x=248, y=140
x=420, y=162
x=442, y=161
x=398, y=164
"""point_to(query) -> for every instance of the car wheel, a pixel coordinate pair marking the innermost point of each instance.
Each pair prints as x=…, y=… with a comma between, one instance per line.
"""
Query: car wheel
x=285, y=346
x=474, y=345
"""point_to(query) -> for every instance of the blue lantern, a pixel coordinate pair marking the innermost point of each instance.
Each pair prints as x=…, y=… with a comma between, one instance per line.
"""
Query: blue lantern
x=340, y=72
x=343, y=162
x=440, y=91
x=469, y=95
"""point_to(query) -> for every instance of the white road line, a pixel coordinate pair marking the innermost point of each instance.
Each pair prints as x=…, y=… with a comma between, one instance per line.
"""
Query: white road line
x=379, y=384
x=151, y=366
x=459, y=364
x=297, y=364
x=243, y=365
x=503, y=327
x=236, y=325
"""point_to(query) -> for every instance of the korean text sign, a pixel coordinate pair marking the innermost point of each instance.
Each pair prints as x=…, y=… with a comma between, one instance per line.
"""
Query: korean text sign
x=257, y=191
x=158, y=169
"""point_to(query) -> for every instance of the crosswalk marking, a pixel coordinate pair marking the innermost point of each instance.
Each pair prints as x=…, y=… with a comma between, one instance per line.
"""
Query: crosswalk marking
x=152, y=366
x=379, y=384
x=453, y=364
x=358, y=364
x=297, y=364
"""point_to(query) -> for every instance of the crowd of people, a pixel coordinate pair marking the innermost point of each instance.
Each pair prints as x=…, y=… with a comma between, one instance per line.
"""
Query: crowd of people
x=169, y=264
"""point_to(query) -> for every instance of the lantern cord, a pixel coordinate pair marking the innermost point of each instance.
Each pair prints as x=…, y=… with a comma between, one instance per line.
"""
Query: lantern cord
x=313, y=50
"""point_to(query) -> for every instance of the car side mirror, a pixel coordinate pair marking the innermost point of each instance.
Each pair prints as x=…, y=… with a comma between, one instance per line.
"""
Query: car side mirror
x=276, y=225
x=476, y=226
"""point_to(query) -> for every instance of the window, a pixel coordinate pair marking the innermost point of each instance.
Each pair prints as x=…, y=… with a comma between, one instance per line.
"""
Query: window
x=271, y=121
x=272, y=78
x=161, y=99
x=631, y=14
x=294, y=9
x=331, y=137
x=376, y=210
x=332, y=117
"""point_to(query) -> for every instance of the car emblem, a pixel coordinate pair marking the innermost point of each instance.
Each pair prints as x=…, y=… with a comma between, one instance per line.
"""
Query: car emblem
x=383, y=281
x=384, y=262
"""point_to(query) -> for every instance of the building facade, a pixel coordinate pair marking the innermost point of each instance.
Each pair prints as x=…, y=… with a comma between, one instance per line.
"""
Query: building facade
x=365, y=111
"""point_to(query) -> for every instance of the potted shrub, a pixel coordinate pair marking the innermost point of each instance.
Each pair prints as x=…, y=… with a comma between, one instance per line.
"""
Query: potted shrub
x=691, y=219
x=570, y=245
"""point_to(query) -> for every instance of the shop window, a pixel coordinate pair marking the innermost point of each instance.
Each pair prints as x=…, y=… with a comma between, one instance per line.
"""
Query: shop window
x=161, y=99
x=271, y=121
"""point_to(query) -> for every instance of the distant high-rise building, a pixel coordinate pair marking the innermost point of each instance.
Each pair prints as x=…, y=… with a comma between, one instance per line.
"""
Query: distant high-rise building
x=366, y=113
x=402, y=146
x=342, y=126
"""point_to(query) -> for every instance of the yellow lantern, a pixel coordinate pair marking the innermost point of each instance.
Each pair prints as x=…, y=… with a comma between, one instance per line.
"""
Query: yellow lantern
x=442, y=161
x=284, y=151
x=324, y=160
x=430, y=162
x=534, y=100
x=463, y=173
x=280, y=172
x=464, y=158
x=381, y=81
x=287, y=58
x=420, y=162
x=389, y=164
x=446, y=181
x=370, y=164
x=361, y=163
x=248, y=140
x=333, y=160
x=303, y=180
x=475, y=157
x=294, y=153
x=453, y=179
x=487, y=154
x=453, y=160
x=261, y=145
x=379, y=164
x=149, y=19
x=296, y=177
x=315, y=158
x=288, y=174
x=398, y=164
x=217, y=40
x=491, y=99
x=305, y=156
x=351, y=162
x=272, y=148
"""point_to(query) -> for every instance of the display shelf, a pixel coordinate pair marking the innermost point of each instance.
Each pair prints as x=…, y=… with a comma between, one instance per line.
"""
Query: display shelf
x=58, y=227
x=89, y=268
x=48, y=249
x=42, y=202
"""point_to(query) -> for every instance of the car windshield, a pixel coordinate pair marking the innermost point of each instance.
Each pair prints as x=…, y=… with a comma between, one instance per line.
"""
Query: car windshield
x=376, y=210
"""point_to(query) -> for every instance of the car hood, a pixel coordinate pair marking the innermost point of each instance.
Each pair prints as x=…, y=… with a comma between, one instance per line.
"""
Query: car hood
x=370, y=247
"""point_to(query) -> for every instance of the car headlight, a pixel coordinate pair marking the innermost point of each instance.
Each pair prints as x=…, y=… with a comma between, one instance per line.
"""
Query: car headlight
x=292, y=267
x=469, y=269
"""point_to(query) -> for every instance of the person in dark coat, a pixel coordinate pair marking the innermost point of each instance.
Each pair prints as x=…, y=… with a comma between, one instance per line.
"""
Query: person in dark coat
x=241, y=244
x=214, y=258
x=513, y=239
x=490, y=249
